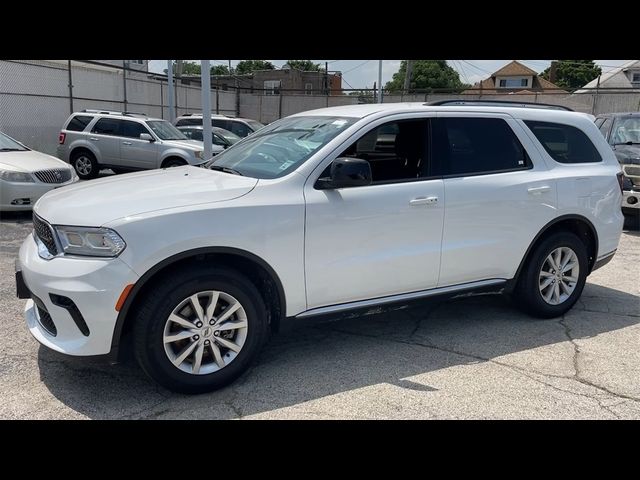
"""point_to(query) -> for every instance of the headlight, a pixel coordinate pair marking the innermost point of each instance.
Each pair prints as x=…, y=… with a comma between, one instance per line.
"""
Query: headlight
x=21, y=177
x=90, y=241
x=199, y=154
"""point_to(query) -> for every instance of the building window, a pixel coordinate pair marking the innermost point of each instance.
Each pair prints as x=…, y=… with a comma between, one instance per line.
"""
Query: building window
x=308, y=88
x=514, y=82
x=272, y=87
x=137, y=62
x=635, y=77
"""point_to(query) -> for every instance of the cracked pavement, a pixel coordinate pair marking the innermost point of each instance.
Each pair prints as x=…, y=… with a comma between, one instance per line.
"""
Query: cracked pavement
x=473, y=357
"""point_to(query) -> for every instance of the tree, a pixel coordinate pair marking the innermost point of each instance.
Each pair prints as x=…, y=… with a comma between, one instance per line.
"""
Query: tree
x=573, y=74
x=190, y=68
x=304, y=65
x=220, y=70
x=427, y=74
x=248, y=66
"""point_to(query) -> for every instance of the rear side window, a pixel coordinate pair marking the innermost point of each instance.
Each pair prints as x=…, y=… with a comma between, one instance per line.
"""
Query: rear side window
x=107, y=126
x=79, y=122
x=564, y=143
x=188, y=121
x=219, y=123
x=469, y=146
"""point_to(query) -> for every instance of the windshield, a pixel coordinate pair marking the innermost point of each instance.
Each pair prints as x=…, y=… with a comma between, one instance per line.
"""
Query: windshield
x=227, y=135
x=8, y=144
x=165, y=131
x=281, y=147
x=627, y=130
x=255, y=125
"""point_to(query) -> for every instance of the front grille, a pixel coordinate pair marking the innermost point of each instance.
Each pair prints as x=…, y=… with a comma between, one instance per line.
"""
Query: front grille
x=45, y=233
x=57, y=175
x=46, y=322
x=631, y=170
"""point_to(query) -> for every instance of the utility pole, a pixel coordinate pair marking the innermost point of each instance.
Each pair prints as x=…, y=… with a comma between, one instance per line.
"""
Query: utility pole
x=172, y=112
x=379, y=81
x=326, y=77
x=205, y=75
x=229, y=67
x=407, y=76
x=125, y=65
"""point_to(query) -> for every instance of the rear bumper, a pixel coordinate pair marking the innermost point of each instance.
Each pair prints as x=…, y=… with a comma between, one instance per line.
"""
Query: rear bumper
x=631, y=200
x=603, y=260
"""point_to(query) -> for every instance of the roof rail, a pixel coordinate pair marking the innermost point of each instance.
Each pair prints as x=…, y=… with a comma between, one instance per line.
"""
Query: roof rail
x=505, y=103
x=110, y=112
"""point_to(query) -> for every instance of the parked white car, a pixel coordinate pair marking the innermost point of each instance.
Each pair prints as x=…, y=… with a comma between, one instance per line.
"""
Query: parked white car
x=26, y=175
x=323, y=213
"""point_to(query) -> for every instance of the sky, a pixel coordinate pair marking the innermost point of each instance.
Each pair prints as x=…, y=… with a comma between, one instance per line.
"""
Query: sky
x=362, y=73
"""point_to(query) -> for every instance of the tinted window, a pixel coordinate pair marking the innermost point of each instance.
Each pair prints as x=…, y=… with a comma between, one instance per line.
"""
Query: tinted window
x=107, y=126
x=475, y=145
x=194, y=134
x=79, y=122
x=599, y=122
x=188, y=121
x=220, y=123
x=132, y=129
x=239, y=129
x=218, y=140
x=564, y=143
x=606, y=125
x=396, y=151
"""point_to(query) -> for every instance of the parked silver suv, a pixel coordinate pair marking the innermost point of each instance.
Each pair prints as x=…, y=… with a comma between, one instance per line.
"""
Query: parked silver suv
x=92, y=140
x=240, y=126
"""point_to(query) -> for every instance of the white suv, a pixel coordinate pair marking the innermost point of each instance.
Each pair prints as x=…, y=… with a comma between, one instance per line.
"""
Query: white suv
x=333, y=211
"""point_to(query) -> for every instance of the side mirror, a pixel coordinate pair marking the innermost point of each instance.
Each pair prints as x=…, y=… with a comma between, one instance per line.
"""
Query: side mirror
x=346, y=172
x=147, y=137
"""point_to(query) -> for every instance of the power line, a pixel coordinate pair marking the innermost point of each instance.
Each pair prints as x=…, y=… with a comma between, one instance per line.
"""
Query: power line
x=356, y=67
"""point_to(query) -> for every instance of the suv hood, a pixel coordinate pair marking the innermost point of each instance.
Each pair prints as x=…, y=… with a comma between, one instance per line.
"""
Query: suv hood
x=627, y=153
x=29, y=161
x=188, y=144
x=97, y=202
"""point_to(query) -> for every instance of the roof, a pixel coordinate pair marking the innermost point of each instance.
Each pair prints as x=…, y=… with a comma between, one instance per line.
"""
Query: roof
x=514, y=68
x=605, y=77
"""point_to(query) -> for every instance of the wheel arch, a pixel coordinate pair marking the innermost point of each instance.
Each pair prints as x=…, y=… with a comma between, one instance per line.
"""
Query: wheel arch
x=84, y=147
x=264, y=277
x=577, y=224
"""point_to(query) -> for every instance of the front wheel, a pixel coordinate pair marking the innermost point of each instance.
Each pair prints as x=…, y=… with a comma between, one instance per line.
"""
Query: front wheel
x=201, y=330
x=553, y=279
x=85, y=164
x=174, y=162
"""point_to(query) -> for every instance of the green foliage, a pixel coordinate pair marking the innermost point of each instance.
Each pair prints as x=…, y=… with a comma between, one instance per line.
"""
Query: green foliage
x=189, y=68
x=305, y=65
x=573, y=74
x=248, y=66
x=427, y=74
x=220, y=70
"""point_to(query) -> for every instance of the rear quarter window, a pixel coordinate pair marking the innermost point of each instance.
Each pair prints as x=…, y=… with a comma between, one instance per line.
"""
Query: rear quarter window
x=564, y=143
x=79, y=122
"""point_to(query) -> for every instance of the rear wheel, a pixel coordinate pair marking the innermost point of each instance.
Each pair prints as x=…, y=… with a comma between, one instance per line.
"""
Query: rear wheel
x=553, y=279
x=201, y=330
x=85, y=164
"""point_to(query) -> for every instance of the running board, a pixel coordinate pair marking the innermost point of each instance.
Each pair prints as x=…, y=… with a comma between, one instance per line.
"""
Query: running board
x=404, y=297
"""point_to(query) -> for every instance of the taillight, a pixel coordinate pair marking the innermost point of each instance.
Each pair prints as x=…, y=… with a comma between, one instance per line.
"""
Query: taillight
x=61, y=138
x=620, y=176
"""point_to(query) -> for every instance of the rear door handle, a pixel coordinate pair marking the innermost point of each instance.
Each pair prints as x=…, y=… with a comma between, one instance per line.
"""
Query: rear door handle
x=127, y=143
x=424, y=201
x=539, y=190
x=95, y=139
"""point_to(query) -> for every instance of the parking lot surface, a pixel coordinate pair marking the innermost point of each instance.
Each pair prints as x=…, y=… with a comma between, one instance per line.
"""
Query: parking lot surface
x=474, y=357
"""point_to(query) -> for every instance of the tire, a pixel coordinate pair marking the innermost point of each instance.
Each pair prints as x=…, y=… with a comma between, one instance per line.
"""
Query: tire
x=174, y=162
x=152, y=329
x=85, y=164
x=528, y=294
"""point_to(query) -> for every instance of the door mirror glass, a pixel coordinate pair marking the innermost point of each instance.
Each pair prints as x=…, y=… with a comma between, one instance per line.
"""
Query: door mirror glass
x=346, y=172
x=147, y=137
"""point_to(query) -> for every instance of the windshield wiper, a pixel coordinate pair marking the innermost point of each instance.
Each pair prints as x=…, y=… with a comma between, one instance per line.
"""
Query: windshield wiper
x=218, y=168
x=627, y=143
x=12, y=149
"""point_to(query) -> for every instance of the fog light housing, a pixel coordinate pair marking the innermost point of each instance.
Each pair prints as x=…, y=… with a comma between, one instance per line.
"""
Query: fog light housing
x=632, y=200
x=21, y=201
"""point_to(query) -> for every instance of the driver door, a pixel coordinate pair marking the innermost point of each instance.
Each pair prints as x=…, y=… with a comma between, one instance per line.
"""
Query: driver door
x=381, y=239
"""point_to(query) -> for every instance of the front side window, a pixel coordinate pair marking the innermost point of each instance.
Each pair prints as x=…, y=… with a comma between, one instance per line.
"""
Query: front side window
x=165, y=131
x=469, y=146
x=395, y=151
x=605, y=126
x=281, y=147
x=79, y=122
x=133, y=129
x=626, y=130
x=564, y=143
x=216, y=122
x=107, y=126
x=239, y=129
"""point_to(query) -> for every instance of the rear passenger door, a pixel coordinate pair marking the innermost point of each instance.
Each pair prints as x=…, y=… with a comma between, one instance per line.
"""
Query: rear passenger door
x=134, y=152
x=498, y=195
x=105, y=136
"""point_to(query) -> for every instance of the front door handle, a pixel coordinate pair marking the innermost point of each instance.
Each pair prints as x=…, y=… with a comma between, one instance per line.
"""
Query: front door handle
x=95, y=139
x=424, y=201
x=539, y=190
x=127, y=143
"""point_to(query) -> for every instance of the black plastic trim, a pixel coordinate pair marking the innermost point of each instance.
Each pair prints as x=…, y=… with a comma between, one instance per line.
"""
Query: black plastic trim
x=72, y=308
x=22, y=291
x=604, y=260
x=117, y=332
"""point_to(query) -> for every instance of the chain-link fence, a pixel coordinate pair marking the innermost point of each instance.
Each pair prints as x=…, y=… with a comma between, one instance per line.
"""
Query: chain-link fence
x=37, y=96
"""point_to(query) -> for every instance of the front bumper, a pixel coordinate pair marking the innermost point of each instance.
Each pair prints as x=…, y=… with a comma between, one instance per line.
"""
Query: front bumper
x=93, y=285
x=13, y=191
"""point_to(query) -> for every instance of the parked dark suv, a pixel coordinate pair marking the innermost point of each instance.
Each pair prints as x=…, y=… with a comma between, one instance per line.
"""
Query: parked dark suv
x=622, y=131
